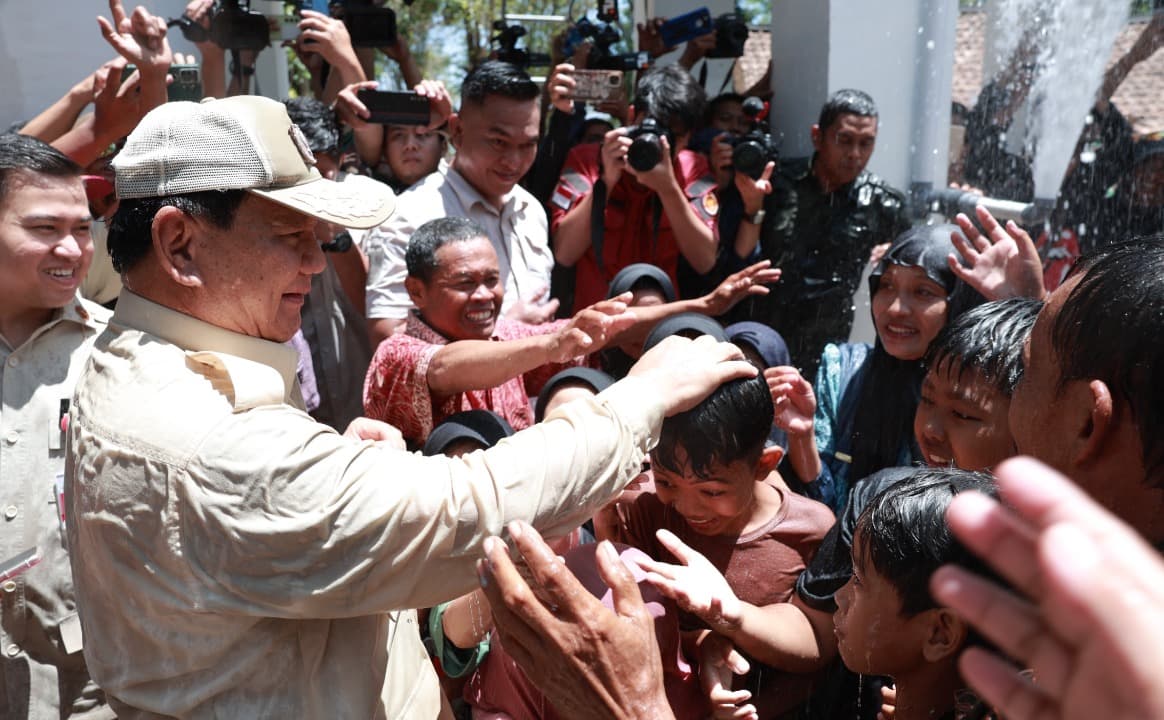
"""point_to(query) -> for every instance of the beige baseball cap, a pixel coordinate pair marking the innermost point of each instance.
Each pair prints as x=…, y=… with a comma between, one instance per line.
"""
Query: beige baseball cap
x=241, y=143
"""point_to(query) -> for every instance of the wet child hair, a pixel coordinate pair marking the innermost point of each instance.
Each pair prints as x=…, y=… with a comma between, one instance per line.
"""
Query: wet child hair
x=730, y=425
x=903, y=534
x=987, y=339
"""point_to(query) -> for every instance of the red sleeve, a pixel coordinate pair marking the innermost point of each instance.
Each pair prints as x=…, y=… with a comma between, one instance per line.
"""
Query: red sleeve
x=396, y=386
x=699, y=186
x=579, y=174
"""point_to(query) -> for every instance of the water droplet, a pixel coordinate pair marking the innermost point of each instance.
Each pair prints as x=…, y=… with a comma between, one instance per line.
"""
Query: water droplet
x=929, y=44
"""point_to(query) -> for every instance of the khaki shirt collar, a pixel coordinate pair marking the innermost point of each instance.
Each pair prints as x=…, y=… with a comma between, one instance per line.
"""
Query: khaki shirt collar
x=468, y=194
x=197, y=336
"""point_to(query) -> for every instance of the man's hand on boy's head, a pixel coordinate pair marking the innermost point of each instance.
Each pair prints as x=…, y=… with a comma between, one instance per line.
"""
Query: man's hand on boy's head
x=687, y=371
x=696, y=585
x=719, y=663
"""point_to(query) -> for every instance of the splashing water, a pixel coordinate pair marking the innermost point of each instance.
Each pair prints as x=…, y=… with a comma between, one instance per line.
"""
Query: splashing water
x=1074, y=42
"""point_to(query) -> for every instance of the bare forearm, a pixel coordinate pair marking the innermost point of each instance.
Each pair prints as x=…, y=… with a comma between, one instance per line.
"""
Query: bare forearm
x=783, y=636
x=85, y=142
x=213, y=71
x=467, y=620
x=58, y=118
x=695, y=240
x=747, y=237
x=572, y=237
x=344, y=71
x=803, y=456
x=481, y=364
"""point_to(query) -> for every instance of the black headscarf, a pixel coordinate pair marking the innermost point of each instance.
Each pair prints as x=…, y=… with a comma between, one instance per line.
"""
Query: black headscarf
x=596, y=380
x=885, y=391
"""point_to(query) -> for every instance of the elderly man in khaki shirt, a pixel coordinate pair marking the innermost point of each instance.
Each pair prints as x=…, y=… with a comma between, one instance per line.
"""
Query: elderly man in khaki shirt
x=235, y=558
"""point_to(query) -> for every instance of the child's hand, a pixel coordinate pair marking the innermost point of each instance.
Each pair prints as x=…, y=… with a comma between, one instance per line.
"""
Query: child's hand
x=888, y=703
x=793, y=398
x=696, y=585
x=718, y=663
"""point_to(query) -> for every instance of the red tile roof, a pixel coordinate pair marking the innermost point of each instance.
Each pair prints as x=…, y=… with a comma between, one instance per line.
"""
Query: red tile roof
x=1140, y=98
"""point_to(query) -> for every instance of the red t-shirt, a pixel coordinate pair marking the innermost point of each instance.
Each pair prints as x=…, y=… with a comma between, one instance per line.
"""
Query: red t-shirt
x=630, y=219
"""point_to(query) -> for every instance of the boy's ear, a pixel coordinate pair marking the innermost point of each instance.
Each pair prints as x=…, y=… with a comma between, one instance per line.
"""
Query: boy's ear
x=946, y=636
x=770, y=457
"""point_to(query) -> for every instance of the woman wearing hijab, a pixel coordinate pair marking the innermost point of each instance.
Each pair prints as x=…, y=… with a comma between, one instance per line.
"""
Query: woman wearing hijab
x=858, y=416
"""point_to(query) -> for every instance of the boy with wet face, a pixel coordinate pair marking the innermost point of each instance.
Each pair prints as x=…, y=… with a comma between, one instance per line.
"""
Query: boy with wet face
x=974, y=365
x=717, y=494
x=887, y=623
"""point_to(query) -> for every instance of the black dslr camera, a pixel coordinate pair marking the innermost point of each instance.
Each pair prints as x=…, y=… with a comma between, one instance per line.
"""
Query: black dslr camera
x=602, y=56
x=731, y=32
x=369, y=26
x=507, y=49
x=646, y=148
x=233, y=26
x=752, y=151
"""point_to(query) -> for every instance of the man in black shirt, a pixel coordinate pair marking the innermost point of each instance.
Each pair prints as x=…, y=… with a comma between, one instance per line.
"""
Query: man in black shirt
x=824, y=216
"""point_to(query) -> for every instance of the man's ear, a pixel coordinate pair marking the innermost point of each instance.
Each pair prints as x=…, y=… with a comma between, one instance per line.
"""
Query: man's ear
x=1094, y=434
x=174, y=235
x=945, y=636
x=770, y=457
x=456, y=130
x=416, y=291
x=817, y=137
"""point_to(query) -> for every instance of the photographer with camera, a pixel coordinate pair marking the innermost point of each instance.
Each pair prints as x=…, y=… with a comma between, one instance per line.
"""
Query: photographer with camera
x=640, y=197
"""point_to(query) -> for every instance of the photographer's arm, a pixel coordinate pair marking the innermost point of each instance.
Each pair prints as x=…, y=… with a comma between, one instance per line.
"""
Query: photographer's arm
x=213, y=57
x=572, y=236
x=752, y=192
x=696, y=241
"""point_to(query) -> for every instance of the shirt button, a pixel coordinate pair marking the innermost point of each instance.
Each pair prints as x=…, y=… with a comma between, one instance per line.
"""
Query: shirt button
x=12, y=437
x=13, y=361
x=11, y=512
x=9, y=587
x=13, y=650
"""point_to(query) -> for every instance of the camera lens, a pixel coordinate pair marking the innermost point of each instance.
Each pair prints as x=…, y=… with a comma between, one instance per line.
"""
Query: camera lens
x=645, y=152
x=748, y=158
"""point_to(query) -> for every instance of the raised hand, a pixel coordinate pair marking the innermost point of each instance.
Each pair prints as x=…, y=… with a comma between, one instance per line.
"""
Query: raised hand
x=696, y=585
x=719, y=662
x=752, y=280
x=1001, y=264
x=140, y=38
x=592, y=327
x=561, y=86
x=793, y=398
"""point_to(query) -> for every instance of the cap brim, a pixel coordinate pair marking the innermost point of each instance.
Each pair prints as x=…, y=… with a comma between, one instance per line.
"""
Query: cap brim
x=357, y=202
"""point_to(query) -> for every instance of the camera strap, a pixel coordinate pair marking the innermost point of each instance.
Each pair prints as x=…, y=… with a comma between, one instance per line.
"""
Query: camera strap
x=598, y=218
x=726, y=78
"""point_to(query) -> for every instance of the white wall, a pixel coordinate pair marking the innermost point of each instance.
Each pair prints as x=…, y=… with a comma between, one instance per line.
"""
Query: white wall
x=47, y=47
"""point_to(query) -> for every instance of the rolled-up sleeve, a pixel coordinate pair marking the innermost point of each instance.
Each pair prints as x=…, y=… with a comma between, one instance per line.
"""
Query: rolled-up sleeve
x=297, y=521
